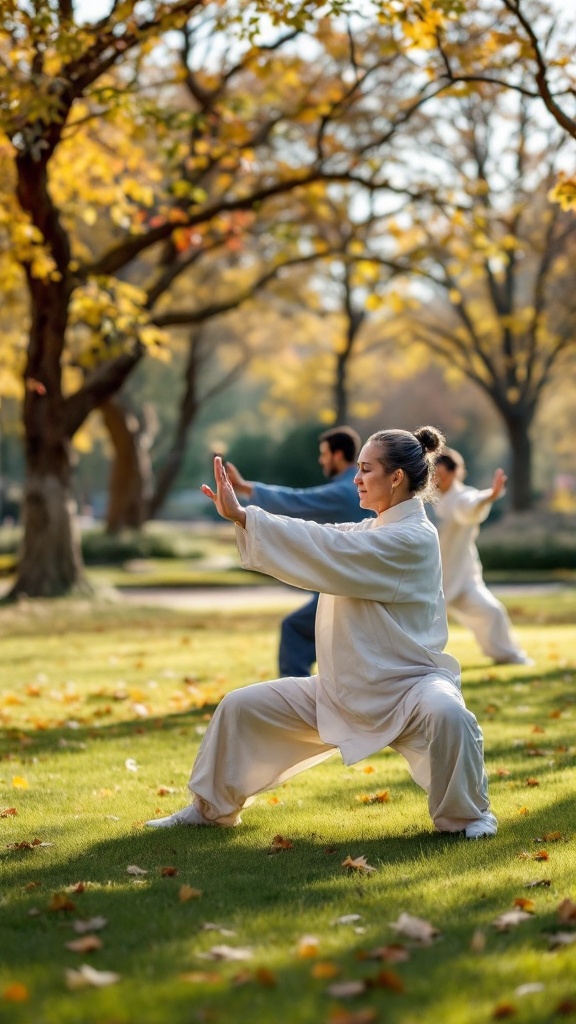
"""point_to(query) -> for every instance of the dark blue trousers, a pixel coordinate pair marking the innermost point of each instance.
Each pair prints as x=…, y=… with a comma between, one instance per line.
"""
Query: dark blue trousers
x=297, y=641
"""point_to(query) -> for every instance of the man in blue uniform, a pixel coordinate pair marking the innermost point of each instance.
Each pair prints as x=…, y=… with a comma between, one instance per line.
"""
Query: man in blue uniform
x=333, y=502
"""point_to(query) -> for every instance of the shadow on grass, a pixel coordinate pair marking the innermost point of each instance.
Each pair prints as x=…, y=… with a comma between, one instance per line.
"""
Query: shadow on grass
x=152, y=938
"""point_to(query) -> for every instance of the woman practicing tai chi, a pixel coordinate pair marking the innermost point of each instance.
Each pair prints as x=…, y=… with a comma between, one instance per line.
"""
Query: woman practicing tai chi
x=383, y=679
x=460, y=510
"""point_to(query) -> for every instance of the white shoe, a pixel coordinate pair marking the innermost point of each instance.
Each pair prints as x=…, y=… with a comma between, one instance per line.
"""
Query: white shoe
x=187, y=816
x=482, y=827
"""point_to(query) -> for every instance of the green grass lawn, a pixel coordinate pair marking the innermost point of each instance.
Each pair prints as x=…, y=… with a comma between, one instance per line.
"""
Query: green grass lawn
x=88, y=693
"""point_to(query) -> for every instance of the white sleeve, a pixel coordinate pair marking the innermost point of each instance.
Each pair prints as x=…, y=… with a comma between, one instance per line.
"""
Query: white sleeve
x=472, y=506
x=362, y=563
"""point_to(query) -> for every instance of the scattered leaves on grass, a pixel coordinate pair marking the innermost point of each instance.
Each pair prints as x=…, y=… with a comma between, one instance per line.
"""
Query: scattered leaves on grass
x=130, y=764
x=346, y=989
x=510, y=919
x=524, y=904
x=567, y=911
x=201, y=977
x=523, y=810
x=30, y=886
x=348, y=919
x=264, y=976
x=92, y=924
x=566, y=1008
x=368, y=769
x=551, y=837
x=16, y=993
x=541, y=855
x=357, y=864
x=374, y=798
x=503, y=1010
x=227, y=953
x=165, y=790
x=61, y=901
x=543, y=882
x=187, y=893
x=274, y=801
x=9, y=812
x=559, y=939
x=168, y=872
x=415, y=928
x=87, y=944
x=387, y=979
x=394, y=953
x=503, y=772
x=19, y=782
x=133, y=869
x=529, y=988
x=308, y=946
x=532, y=782
x=280, y=843
x=28, y=845
x=209, y=926
x=88, y=977
x=340, y=1015
x=325, y=969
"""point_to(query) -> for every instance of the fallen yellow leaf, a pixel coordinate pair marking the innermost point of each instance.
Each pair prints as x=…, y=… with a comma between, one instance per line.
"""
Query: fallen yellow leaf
x=16, y=993
x=325, y=969
x=357, y=864
x=19, y=782
x=187, y=892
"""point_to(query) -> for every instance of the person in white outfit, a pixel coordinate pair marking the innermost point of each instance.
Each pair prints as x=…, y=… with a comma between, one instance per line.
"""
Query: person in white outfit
x=459, y=510
x=383, y=677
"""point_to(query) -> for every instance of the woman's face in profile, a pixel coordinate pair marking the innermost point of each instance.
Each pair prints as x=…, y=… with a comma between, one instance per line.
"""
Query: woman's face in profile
x=375, y=486
x=443, y=478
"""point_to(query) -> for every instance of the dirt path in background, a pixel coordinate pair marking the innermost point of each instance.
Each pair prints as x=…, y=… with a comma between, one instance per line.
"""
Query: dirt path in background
x=274, y=597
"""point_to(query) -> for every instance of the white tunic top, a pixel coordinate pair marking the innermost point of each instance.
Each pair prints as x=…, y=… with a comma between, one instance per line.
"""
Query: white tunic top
x=381, y=622
x=459, y=511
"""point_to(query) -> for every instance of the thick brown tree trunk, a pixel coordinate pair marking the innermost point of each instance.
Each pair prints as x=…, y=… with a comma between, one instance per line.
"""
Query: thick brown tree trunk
x=520, y=487
x=130, y=484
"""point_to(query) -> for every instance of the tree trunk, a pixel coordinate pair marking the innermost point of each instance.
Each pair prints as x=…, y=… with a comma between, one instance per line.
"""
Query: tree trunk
x=130, y=484
x=51, y=563
x=518, y=427
x=187, y=413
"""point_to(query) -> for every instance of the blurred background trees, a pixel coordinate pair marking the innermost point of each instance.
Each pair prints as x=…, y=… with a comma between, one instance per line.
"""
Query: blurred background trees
x=225, y=228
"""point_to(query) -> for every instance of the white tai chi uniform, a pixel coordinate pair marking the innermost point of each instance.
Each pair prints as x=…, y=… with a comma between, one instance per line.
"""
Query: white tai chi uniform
x=383, y=679
x=459, y=511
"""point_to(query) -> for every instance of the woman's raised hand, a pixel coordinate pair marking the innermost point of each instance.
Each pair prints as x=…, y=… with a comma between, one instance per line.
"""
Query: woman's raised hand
x=224, y=498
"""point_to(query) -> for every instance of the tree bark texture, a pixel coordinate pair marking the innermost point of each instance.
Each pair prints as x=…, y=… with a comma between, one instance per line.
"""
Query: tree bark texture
x=518, y=427
x=130, y=484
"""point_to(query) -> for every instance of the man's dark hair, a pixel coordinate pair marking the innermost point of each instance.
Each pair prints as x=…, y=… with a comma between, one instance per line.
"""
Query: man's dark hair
x=343, y=439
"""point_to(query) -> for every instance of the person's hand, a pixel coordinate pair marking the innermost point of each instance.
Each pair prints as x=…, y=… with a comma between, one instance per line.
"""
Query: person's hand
x=224, y=497
x=240, y=485
x=498, y=484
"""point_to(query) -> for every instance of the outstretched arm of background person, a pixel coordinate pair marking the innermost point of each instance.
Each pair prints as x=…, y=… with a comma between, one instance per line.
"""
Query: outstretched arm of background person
x=474, y=506
x=498, y=484
x=224, y=498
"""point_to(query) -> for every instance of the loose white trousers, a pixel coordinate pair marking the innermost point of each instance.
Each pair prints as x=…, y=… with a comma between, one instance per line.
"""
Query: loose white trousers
x=481, y=612
x=262, y=735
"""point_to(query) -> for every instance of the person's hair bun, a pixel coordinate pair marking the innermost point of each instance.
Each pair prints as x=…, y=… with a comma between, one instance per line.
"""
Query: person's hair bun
x=431, y=439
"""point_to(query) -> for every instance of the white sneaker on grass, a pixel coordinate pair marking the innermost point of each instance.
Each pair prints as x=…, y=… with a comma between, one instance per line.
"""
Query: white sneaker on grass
x=482, y=827
x=187, y=816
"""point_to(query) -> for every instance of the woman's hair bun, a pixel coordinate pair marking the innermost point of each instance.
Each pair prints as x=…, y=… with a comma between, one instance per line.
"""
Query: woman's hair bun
x=431, y=439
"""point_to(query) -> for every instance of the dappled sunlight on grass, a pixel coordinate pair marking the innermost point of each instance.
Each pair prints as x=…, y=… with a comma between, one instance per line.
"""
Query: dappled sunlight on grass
x=100, y=751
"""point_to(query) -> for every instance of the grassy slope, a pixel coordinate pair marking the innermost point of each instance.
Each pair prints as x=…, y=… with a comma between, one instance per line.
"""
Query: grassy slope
x=75, y=682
